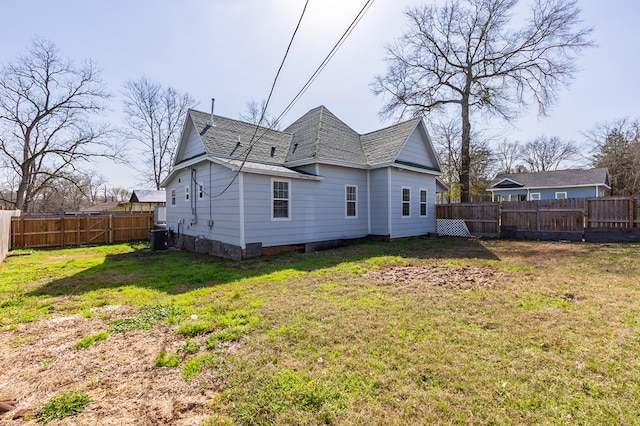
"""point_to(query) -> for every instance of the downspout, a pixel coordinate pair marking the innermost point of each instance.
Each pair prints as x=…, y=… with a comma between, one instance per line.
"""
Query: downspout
x=210, y=223
x=241, y=208
x=369, y=201
x=389, y=202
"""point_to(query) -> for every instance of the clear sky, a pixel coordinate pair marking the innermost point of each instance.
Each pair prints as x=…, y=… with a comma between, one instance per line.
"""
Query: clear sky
x=230, y=50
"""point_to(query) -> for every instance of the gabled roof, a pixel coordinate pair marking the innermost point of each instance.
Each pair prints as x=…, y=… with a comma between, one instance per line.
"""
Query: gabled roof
x=148, y=196
x=229, y=138
x=382, y=146
x=320, y=135
x=317, y=136
x=551, y=179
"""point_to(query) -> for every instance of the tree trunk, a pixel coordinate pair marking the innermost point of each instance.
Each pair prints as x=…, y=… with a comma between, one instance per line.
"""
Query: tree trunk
x=465, y=157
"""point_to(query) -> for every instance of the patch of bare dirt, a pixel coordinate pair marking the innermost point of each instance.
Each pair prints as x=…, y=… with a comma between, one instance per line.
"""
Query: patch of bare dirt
x=418, y=277
x=39, y=360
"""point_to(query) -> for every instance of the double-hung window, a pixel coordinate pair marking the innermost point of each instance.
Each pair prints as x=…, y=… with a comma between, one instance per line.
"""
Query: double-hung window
x=186, y=193
x=423, y=202
x=561, y=195
x=173, y=196
x=201, y=190
x=280, y=201
x=406, y=202
x=351, y=200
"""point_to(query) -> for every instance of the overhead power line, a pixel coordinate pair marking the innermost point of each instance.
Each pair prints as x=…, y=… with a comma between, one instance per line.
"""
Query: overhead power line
x=319, y=69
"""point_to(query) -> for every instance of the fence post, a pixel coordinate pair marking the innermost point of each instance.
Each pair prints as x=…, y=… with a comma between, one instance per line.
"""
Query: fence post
x=110, y=228
x=62, y=231
x=631, y=206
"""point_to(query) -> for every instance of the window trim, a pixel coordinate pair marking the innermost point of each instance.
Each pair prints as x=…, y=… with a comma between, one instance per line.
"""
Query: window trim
x=424, y=203
x=536, y=194
x=561, y=192
x=288, y=199
x=347, y=201
x=402, y=202
x=173, y=197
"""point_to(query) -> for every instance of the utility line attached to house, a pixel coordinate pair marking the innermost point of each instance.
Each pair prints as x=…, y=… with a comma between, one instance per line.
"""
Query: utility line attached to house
x=319, y=69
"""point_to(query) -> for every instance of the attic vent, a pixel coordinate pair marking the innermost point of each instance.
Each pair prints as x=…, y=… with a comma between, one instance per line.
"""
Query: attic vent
x=273, y=150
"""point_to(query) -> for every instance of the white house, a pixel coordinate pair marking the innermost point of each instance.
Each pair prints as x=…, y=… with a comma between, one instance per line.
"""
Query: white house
x=236, y=189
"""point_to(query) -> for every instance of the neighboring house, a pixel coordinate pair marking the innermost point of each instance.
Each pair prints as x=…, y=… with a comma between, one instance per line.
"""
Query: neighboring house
x=574, y=183
x=318, y=181
x=146, y=200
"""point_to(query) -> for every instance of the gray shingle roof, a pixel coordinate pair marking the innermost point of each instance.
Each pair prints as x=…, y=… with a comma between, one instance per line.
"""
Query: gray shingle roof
x=320, y=135
x=382, y=146
x=316, y=136
x=221, y=139
x=555, y=178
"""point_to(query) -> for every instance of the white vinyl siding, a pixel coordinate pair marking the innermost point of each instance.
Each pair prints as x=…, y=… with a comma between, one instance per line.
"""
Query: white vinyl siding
x=406, y=202
x=351, y=201
x=423, y=203
x=280, y=200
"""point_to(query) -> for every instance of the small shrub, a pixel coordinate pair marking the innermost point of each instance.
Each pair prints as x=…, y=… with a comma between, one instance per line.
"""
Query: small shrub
x=193, y=328
x=164, y=360
x=196, y=365
x=87, y=341
x=62, y=405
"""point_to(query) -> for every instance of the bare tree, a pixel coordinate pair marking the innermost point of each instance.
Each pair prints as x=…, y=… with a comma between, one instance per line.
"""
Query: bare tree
x=507, y=155
x=67, y=193
x=547, y=153
x=470, y=54
x=446, y=136
x=154, y=117
x=258, y=114
x=46, y=104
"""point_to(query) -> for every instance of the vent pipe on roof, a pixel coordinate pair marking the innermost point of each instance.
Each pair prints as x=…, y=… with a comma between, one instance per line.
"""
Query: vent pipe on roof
x=210, y=123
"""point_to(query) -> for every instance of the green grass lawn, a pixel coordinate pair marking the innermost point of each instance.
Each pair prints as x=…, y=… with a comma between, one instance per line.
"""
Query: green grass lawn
x=421, y=331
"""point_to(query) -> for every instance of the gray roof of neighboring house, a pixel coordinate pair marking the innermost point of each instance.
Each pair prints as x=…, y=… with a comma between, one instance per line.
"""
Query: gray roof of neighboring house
x=230, y=138
x=316, y=136
x=148, y=196
x=552, y=179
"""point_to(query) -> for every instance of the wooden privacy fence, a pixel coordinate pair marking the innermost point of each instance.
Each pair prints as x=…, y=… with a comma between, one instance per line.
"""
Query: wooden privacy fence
x=66, y=231
x=591, y=219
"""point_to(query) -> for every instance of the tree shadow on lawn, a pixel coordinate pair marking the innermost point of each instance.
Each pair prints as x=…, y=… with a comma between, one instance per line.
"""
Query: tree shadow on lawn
x=178, y=271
